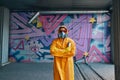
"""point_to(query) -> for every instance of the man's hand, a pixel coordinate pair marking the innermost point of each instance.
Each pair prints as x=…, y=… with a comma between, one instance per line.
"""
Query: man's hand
x=68, y=47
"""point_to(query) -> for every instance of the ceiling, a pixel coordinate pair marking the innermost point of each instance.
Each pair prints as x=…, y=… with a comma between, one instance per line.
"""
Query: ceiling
x=57, y=4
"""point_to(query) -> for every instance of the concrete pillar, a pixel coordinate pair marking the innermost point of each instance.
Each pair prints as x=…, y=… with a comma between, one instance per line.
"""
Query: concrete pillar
x=116, y=37
x=4, y=35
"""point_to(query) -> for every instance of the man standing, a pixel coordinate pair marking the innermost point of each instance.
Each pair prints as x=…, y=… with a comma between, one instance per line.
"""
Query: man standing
x=63, y=50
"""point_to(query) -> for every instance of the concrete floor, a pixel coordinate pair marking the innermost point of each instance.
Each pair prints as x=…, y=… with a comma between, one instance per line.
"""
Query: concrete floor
x=44, y=71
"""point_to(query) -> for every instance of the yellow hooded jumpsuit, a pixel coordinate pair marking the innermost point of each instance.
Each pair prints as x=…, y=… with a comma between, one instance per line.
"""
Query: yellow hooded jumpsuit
x=63, y=58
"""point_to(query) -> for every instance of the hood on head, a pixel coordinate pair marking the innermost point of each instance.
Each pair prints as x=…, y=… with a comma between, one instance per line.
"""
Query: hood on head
x=63, y=28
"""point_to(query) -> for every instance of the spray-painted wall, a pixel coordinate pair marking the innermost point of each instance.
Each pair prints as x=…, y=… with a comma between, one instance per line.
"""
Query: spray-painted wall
x=31, y=42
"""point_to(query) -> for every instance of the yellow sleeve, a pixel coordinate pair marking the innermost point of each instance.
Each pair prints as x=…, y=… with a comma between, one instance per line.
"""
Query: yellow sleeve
x=67, y=52
x=72, y=50
x=56, y=51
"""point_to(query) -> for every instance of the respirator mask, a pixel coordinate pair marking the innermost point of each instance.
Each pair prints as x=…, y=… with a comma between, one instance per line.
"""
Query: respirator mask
x=62, y=35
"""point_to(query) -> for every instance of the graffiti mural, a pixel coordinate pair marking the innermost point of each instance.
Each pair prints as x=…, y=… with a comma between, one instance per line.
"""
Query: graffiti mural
x=31, y=42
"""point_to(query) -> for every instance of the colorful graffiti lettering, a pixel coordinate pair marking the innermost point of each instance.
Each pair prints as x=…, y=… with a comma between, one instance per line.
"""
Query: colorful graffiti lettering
x=91, y=33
